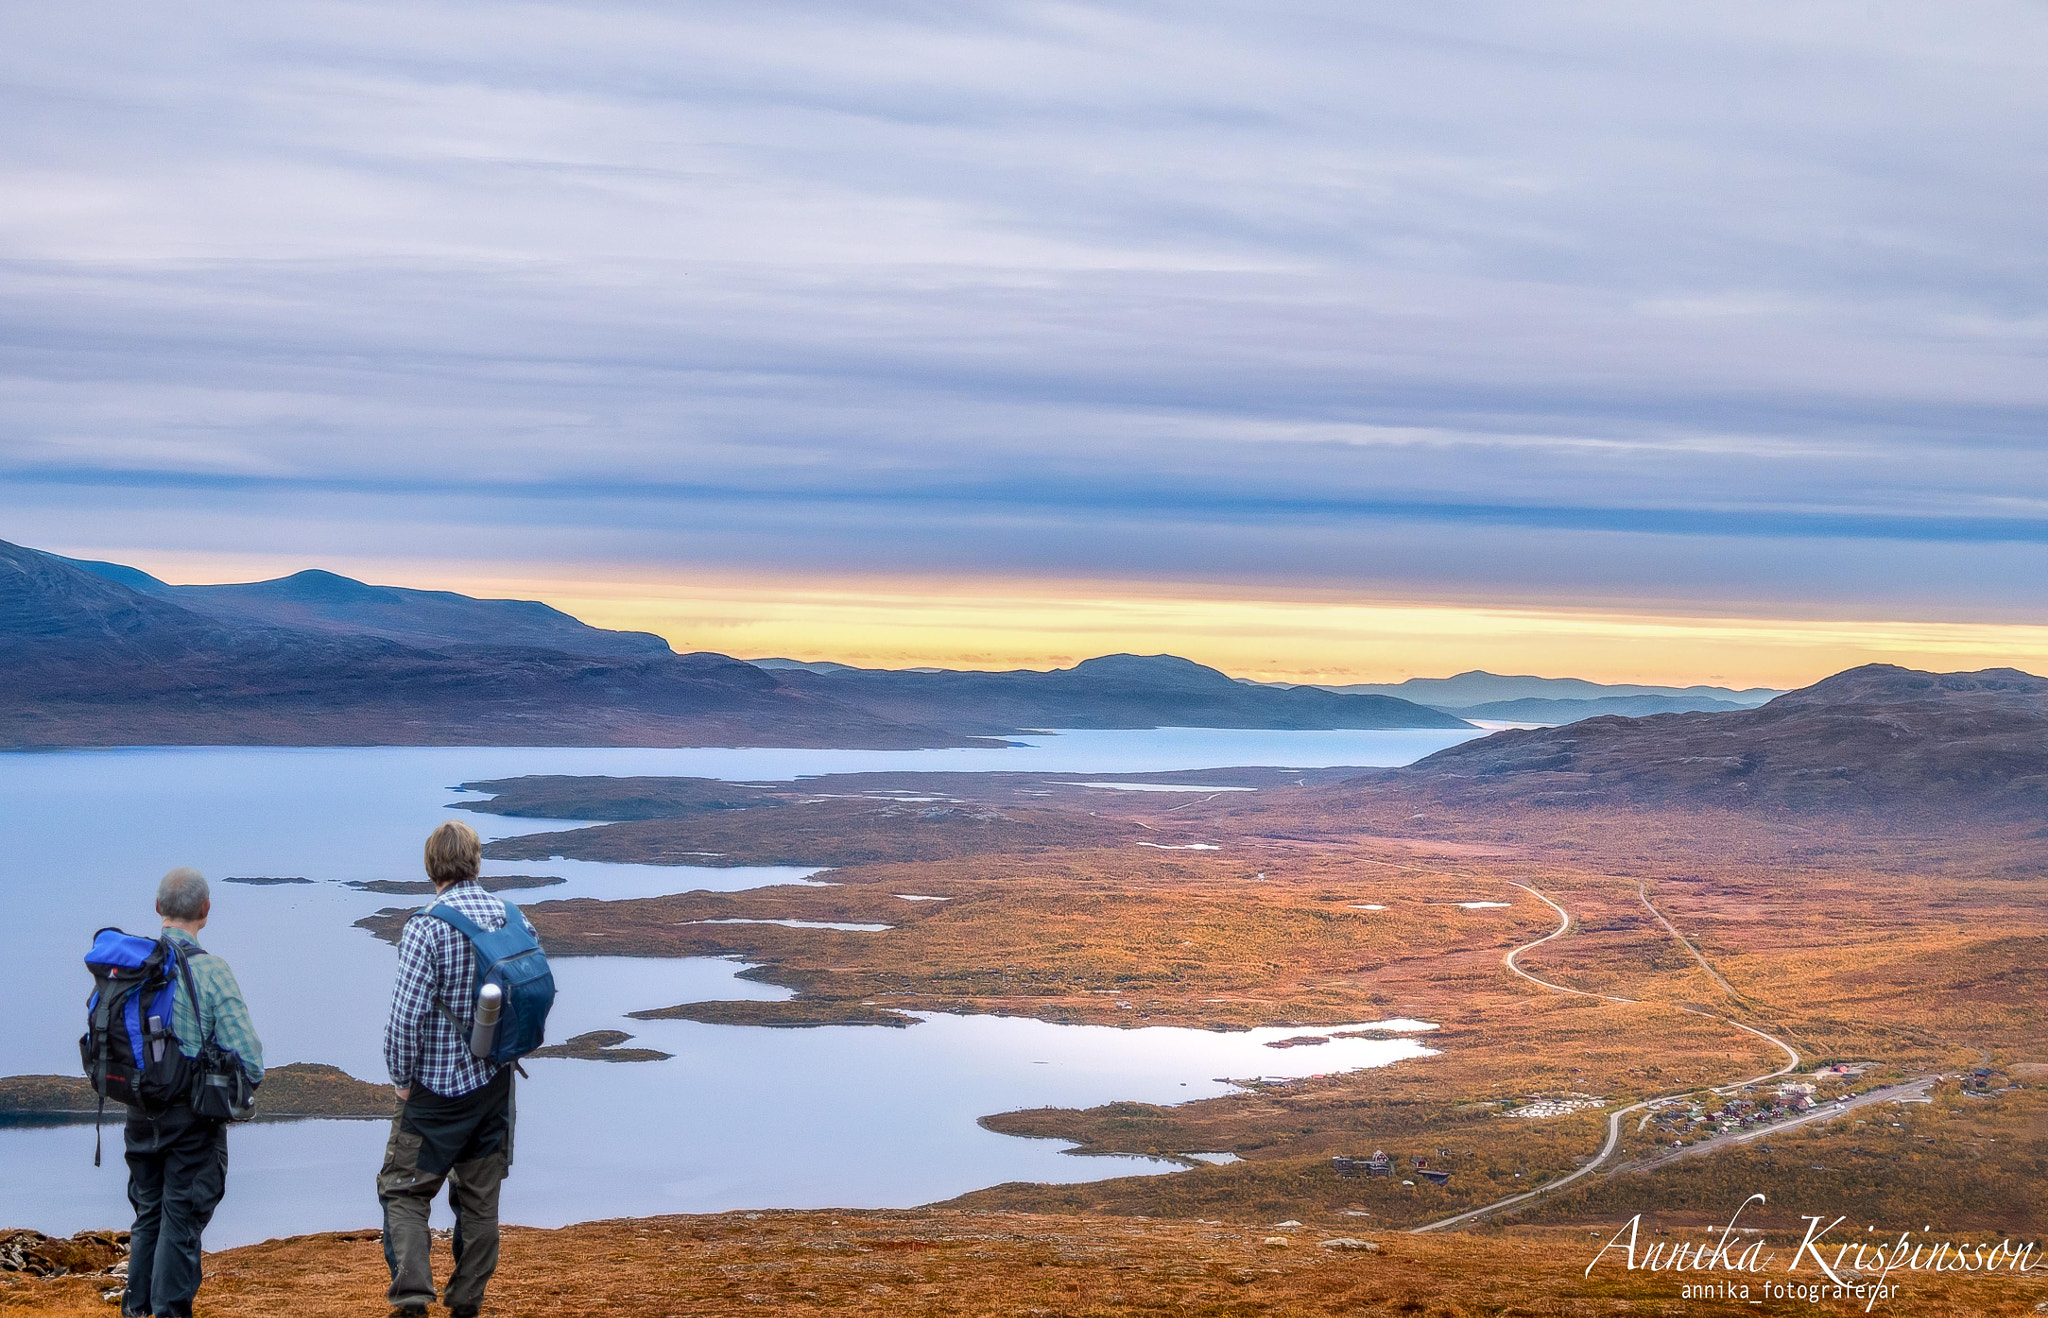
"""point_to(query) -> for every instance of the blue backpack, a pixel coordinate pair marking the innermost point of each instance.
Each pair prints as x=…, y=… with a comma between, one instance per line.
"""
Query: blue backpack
x=130, y=1048
x=511, y=958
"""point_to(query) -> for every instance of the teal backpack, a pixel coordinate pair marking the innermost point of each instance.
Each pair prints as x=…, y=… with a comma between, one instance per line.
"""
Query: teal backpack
x=511, y=959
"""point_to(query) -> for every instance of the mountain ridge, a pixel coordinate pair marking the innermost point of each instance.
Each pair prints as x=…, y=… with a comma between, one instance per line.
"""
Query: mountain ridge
x=101, y=654
x=1538, y=709
x=1112, y=691
x=91, y=661
x=319, y=600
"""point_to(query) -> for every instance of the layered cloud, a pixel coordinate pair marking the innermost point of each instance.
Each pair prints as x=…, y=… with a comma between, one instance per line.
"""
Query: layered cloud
x=1730, y=306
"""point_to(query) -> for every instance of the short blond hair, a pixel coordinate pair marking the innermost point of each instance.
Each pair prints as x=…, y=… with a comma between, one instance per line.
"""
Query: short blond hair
x=454, y=853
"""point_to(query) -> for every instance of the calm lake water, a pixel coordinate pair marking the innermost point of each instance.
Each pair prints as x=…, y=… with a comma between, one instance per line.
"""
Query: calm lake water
x=740, y=1117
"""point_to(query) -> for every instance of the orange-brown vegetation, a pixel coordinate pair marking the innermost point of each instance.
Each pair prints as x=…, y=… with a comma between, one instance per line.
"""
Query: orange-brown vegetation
x=942, y=1262
x=1844, y=937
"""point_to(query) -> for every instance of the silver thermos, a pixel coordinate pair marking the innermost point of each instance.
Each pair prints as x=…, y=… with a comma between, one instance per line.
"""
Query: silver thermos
x=490, y=1003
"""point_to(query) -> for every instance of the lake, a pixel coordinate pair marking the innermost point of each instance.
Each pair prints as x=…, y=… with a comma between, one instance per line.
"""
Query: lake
x=740, y=1117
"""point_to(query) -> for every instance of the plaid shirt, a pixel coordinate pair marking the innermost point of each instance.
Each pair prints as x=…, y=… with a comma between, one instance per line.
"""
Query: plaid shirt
x=220, y=1008
x=436, y=963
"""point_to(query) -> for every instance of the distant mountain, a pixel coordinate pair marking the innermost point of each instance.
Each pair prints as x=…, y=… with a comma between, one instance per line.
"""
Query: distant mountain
x=1115, y=691
x=1535, y=709
x=325, y=602
x=803, y=665
x=100, y=654
x=89, y=660
x=828, y=666
x=1468, y=690
x=1878, y=738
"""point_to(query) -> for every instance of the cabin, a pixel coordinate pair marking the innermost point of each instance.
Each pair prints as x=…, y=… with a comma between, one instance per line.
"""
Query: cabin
x=1379, y=1164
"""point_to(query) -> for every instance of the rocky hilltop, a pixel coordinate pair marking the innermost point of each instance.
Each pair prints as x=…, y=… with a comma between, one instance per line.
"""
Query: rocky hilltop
x=1872, y=738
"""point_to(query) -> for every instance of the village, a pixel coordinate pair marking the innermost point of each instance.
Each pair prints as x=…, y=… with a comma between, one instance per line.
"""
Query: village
x=1675, y=1122
x=1684, y=1120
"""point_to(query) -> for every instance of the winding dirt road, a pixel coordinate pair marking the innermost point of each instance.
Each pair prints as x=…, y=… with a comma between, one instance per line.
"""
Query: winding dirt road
x=1614, y=1119
x=1564, y=924
x=1643, y=892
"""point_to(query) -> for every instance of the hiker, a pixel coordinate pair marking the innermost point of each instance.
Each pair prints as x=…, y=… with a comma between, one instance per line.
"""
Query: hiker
x=455, y=1080
x=178, y=1158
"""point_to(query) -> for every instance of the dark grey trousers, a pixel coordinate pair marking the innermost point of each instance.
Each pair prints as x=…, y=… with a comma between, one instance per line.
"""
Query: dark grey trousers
x=177, y=1173
x=407, y=1194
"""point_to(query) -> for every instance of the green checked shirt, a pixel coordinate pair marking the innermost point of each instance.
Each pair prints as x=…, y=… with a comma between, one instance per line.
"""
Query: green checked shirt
x=220, y=1008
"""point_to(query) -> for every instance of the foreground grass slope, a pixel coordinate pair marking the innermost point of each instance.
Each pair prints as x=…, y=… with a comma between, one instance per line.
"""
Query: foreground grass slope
x=932, y=1263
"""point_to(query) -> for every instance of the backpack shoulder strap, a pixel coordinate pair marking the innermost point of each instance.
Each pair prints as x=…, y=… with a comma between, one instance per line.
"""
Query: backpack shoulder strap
x=192, y=990
x=455, y=919
x=462, y=924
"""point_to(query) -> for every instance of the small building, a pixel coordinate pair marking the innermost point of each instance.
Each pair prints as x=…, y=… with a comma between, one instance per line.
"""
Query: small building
x=1379, y=1164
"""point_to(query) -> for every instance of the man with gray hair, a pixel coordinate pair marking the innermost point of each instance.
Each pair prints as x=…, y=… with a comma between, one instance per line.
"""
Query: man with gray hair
x=177, y=1160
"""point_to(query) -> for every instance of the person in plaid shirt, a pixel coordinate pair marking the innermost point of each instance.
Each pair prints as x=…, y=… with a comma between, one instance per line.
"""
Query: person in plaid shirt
x=177, y=1161
x=456, y=1123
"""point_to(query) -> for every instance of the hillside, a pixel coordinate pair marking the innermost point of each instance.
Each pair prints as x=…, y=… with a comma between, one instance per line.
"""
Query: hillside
x=925, y=1263
x=1872, y=738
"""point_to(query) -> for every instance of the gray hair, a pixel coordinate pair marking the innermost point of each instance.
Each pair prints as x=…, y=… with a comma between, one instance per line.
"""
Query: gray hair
x=182, y=895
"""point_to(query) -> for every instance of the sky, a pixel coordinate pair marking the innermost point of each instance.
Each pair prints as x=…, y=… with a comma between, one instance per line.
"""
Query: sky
x=1315, y=340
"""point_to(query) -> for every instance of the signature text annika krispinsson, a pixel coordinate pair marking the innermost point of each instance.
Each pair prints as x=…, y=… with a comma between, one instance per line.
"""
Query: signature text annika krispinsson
x=1836, y=1264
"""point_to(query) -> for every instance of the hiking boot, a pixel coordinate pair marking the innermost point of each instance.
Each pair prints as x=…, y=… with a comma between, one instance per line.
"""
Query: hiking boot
x=410, y=1311
x=466, y=1311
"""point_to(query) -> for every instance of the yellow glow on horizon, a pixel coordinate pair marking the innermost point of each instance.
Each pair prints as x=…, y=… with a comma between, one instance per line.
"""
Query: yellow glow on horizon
x=1002, y=625
x=1271, y=634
